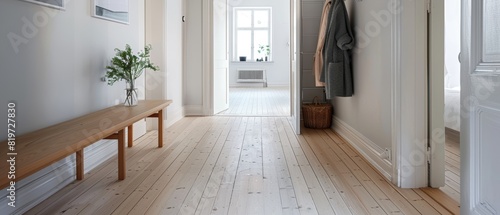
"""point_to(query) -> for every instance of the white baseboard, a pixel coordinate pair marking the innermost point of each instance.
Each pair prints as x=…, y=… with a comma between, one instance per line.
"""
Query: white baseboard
x=368, y=149
x=193, y=110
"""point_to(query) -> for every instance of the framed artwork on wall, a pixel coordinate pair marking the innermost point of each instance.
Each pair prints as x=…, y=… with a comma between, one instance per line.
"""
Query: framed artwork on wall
x=57, y=4
x=112, y=10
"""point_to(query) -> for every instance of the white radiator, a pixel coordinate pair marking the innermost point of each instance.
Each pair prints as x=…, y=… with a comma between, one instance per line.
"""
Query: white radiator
x=252, y=76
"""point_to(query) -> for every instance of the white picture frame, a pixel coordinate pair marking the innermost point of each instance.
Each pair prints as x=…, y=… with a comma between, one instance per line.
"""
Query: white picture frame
x=111, y=10
x=56, y=4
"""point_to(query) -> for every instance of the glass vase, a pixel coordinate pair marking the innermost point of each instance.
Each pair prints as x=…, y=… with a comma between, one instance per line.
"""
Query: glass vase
x=131, y=97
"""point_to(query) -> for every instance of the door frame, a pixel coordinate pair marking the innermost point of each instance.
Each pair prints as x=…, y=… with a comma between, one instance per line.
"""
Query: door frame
x=207, y=49
x=466, y=190
x=409, y=96
x=207, y=61
x=436, y=58
x=295, y=64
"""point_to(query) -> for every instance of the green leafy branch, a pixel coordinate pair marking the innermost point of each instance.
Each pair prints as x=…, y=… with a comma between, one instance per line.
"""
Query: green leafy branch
x=127, y=66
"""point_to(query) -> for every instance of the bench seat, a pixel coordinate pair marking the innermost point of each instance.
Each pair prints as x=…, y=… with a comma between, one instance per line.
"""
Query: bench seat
x=39, y=149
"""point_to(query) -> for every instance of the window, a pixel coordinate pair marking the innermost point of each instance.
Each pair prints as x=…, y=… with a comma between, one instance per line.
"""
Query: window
x=252, y=29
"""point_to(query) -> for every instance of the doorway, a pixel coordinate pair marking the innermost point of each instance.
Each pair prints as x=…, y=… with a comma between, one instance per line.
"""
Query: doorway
x=452, y=99
x=258, y=58
x=444, y=97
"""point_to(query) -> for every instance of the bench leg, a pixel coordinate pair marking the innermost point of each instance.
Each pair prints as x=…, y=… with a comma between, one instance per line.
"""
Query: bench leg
x=130, y=131
x=79, y=165
x=121, y=155
x=159, y=116
x=160, y=128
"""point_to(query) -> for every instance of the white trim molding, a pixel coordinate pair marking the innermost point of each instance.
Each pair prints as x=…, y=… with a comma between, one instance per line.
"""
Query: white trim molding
x=436, y=88
x=207, y=50
x=396, y=95
x=466, y=179
x=409, y=95
x=368, y=149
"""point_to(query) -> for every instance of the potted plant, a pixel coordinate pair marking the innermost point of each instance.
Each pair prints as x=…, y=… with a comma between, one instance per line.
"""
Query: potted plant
x=264, y=49
x=127, y=66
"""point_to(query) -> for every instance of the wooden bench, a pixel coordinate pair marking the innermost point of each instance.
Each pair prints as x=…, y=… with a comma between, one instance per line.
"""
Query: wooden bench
x=39, y=149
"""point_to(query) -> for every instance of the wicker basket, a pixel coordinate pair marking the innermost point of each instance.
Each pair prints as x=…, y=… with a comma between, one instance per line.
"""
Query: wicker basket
x=317, y=115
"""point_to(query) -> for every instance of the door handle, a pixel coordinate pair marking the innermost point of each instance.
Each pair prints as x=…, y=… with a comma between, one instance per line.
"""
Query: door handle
x=460, y=57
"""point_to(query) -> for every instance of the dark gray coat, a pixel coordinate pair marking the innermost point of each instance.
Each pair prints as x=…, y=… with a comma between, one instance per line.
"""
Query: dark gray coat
x=337, y=73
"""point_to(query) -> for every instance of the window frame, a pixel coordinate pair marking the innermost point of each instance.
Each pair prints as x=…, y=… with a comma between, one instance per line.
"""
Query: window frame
x=252, y=29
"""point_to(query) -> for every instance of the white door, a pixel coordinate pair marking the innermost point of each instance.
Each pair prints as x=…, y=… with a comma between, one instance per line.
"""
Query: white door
x=480, y=99
x=220, y=57
x=295, y=64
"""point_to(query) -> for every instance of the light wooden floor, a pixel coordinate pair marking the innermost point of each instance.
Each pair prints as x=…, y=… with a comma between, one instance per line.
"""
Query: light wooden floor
x=258, y=101
x=452, y=167
x=239, y=165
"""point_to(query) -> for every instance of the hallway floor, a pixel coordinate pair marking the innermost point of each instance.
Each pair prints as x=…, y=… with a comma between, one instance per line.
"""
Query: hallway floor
x=258, y=101
x=452, y=168
x=240, y=165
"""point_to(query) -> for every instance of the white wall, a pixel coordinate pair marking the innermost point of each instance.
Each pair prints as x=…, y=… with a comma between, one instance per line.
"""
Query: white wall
x=452, y=77
x=389, y=105
x=369, y=110
x=365, y=119
x=56, y=75
x=452, y=43
x=278, y=71
x=155, y=35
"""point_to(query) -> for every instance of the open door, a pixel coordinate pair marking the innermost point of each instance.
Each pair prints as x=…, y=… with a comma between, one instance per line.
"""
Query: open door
x=295, y=64
x=220, y=56
x=480, y=101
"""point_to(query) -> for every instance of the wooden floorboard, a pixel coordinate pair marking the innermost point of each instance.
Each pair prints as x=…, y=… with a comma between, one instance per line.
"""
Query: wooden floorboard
x=449, y=195
x=452, y=167
x=258, y=101
x=66, y=198
x=372, y=177
x=243, y=165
